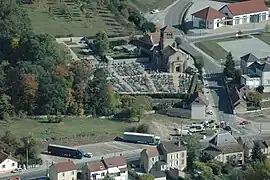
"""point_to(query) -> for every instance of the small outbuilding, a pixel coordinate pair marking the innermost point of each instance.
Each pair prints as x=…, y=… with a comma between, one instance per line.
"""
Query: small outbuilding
x=208, y=18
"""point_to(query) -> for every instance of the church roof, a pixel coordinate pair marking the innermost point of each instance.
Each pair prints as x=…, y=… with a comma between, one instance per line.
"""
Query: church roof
x=208, y=13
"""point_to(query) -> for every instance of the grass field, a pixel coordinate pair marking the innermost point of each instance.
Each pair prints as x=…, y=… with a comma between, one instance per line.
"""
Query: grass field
x=71, y=129
x=148, y=5
x=265, y=37
x=65, y=18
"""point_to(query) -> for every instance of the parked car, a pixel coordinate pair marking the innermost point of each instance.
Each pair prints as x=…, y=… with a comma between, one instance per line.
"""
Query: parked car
x=154, y=11
x=244, y=123
x=17, y=170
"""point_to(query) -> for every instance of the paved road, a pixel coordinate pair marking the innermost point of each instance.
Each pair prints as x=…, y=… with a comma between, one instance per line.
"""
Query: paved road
x=174, y=15
x=42, y=171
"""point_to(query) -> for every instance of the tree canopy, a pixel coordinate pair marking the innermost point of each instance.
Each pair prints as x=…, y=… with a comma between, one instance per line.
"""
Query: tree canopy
x=229, y=69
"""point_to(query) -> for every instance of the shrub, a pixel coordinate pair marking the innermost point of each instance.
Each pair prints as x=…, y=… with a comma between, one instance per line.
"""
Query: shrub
x=142, y=128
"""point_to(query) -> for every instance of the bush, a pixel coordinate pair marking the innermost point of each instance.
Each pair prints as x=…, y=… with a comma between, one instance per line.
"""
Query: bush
x=142, y=128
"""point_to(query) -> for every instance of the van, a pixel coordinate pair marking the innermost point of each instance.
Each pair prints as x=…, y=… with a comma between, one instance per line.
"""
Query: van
x=196, y=128
x=184, y=132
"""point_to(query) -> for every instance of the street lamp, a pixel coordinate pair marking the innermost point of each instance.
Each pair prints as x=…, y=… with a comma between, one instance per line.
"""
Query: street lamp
x=27, y=149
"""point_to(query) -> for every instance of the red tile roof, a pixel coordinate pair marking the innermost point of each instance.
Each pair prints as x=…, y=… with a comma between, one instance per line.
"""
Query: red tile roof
x=246, y=7
x=99, y=166
x=64, y=166
x=15, y=178
x=114, y=161
x=208, y=13
x=152, y=151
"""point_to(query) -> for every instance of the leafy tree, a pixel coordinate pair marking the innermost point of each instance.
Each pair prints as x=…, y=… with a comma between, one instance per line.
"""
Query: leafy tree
x=142, y=128
x=255, y=98
x=260, y=89
x=256, y=154
x=101, y=42
x=207, y=172
x=193, y=152
x=148, y=27
x=18, y=24
x=97, y=98
x=229, y=69
x=6, y=109
x=147, y=177
x=199, y=65
x=178, y=41
x=127, y=101
x=140, y=105
x=8, y=142
x=215, y=166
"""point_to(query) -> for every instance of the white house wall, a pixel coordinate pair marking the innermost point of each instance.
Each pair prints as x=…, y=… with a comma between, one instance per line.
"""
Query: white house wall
x=227, y=12
x=210, y=24
x=8, y=165
x=266, y=78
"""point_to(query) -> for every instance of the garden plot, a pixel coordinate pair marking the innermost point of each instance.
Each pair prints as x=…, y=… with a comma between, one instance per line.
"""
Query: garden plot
x=241, y=47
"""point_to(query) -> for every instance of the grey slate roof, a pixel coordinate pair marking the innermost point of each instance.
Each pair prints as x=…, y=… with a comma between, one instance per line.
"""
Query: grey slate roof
x=265, y=67
x=171, y=147
x=158, y=174
x=212, y=151
x=231, y=148
x=223, y=139
x=249, y=58
x=254, y=66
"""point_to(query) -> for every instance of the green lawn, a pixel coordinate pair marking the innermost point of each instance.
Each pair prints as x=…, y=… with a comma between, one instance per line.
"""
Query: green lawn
x=50, y=19
x=265, y=37
x=94, y=129
x=148, y=5
x=213, y=49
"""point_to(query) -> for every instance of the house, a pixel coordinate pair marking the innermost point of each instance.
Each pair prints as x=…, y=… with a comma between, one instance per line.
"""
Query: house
x=160, y=46
x=15, y=178
x=208, y=18
x=63, y=171
x=248, y=143
x=223, y=147
x=197, y=104
x=255, y=72
x=251, y=11
x=7, y=163
x=114, y=167
x=165, y=156
x=238, y=96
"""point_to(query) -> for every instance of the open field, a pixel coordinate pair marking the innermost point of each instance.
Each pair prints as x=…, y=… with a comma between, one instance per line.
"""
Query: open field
x=65, y=18
x=146, y=6
x=78, y=131
x=212, y=48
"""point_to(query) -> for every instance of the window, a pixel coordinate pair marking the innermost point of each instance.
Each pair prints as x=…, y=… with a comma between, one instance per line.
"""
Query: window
x=63, y=174
x=3, y=166
x=177, y=155
x=227, y=158
x=103, y=174
x=153, y=159
x=183, y=161
x=73, y=172
x=183, y=154
x=237, y=20
x=171, y=164
x=73, y=178
x=263, y=16
x=244, y=20
x=178, y=58
x=13, y=164
x=177, y=163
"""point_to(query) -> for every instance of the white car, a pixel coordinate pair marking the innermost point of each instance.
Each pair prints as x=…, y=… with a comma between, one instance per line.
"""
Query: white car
x=17, y=170
x=155, y=11
x=88, y=155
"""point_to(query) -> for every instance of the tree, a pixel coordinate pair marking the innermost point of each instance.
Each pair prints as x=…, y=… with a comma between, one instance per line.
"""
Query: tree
x=143, y=128
x=229, y=69
x=8, y=142
x=178, y=41
x=267, y=28
x=198, y=63
x=140, y=106
x=6, y=109
x=127, y=101
x=260, y=89
x=255, y=98
x=148, y=27
x=18, y=24
x=193, y=152
x=101, y=42
x=146, y=177
x=215, y=166
x=256, y=154
x=206, y=171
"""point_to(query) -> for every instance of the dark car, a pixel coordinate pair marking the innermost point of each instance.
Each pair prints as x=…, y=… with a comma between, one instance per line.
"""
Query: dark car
x=227, y=128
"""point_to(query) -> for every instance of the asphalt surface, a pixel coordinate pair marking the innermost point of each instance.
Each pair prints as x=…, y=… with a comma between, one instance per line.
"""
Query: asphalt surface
x=174, y=15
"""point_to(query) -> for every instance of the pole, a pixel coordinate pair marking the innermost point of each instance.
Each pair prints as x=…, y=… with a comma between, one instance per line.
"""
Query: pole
x=181, y=130
x=27, y=149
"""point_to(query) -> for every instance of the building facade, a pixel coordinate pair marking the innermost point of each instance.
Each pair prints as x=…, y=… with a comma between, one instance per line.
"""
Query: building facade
x=7, y=163
x=245, y=12
x=114, y=167
x=166, y=156
x=63, y=171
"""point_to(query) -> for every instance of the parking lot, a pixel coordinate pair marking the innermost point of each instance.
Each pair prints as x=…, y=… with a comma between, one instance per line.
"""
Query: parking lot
x=112, y=148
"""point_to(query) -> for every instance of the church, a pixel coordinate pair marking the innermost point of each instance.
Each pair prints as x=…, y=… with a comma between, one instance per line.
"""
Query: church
x=163, y=51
